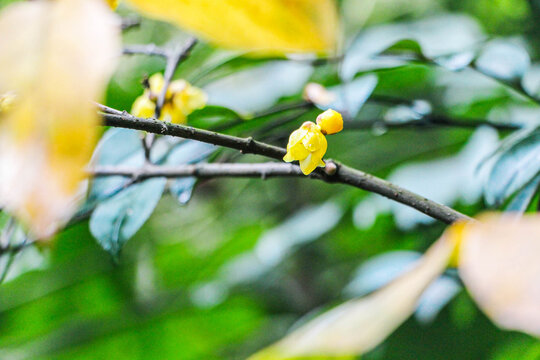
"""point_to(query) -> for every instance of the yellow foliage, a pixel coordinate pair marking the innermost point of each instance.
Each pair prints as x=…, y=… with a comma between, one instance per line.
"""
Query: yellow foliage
x=181, y=100
x=113, y=3
x=498, y=263
x=359, y=325
x=270, y=26
x=6, y=102
x=58, y=63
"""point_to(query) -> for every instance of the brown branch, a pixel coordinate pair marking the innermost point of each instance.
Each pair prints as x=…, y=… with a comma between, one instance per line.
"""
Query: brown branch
x=202, y=170
x=173, y=60
x=334, y=172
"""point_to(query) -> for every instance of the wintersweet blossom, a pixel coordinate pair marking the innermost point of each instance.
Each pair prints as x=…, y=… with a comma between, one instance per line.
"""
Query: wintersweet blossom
x=308, y=146
x=308, y=143
x=181, y=100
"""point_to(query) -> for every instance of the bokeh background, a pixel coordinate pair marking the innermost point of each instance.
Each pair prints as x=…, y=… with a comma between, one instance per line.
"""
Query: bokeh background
x=243, y=261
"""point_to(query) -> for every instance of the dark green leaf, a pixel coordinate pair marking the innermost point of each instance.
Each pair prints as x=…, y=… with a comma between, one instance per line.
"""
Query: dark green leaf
x=212, y=116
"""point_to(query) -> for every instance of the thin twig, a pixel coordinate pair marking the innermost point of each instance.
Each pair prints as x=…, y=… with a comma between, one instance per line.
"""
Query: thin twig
x=202, y=170
x=336, y=173
x=146, y=49
x=429, y=121
x=173, y=60
x=130, y=22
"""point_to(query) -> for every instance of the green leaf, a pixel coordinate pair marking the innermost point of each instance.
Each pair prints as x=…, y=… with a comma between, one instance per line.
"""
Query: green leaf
x=187, y=152
x=117, y=147
x=117, y=219
x=408, y=46
x=503, y=60
x=350, y=97
x=212, y=116
x=517, y=164
x=523, y=198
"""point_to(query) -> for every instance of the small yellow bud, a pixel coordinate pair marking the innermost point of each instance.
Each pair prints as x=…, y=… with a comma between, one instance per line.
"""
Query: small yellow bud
x=308, y=146
x=330, y=121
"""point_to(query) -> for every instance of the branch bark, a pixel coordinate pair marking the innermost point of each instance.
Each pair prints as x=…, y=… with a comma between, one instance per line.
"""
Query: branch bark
x=333, y=173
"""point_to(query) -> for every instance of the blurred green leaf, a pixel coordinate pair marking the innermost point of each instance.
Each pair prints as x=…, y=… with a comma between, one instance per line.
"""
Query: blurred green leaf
x=212, y=116
x=187, y=152
x=116, y=147
x=117, y=219
x=503, y=60
x=516, y=165
x=523, y=198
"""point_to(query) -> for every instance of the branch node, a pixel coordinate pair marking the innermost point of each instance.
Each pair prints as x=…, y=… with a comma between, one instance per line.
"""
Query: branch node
x=330, y=168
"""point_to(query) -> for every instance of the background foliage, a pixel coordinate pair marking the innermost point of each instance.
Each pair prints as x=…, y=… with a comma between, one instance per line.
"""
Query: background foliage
x=234, y=268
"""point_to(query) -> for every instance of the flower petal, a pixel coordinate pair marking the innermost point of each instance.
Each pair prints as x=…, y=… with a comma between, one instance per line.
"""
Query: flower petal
x=309, y=164
x=143, y=107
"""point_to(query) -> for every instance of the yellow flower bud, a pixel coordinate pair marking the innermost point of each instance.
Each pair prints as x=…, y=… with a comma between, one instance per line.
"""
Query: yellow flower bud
x=330, y=121
x=308, y=146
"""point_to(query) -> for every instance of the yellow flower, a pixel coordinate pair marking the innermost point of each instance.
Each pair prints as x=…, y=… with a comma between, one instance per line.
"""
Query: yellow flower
x=308, y=146
x=113, y=3
x=181, y=100
x=330, y=121
x=143, y=107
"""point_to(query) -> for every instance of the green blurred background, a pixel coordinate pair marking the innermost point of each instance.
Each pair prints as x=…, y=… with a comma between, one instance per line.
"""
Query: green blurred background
x=245, y=259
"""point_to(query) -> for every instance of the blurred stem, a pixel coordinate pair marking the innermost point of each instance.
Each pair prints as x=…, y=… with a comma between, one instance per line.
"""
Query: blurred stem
x=174, y=58
x=430, y=120
x=516, y=85
x=146, y=49
x=258, y=117
x=333, y=173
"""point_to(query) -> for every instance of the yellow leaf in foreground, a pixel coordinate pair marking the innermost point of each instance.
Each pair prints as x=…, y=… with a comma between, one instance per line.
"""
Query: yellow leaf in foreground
x=499, y=262
x=357, y=326
x=57, y=57
x=270, y=26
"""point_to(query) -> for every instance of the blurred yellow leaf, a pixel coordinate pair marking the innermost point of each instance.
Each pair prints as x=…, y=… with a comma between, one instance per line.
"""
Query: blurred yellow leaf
x=269, y=26
x=57, y=57
x=499, y=262
x=357, y=326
